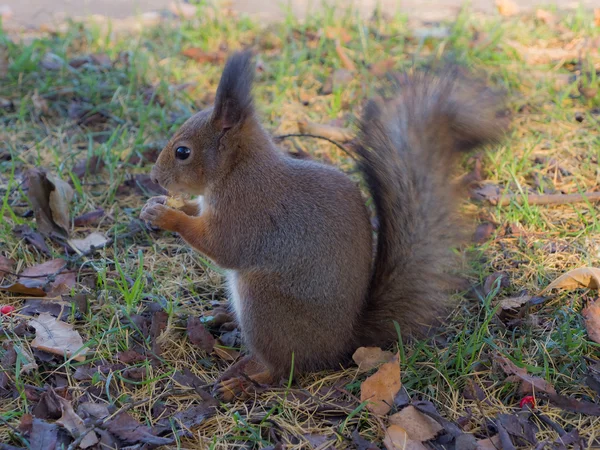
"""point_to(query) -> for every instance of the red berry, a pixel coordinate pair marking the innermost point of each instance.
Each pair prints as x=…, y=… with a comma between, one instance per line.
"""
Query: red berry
x=528, y=400
x=7, y=309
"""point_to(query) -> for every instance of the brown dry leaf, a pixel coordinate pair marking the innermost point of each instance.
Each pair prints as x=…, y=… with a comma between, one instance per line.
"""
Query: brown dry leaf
x=514, y=302
x=396, y=438
x=32, y=238
x=7, y=363
x=483, y=232
x=583, y=277
x=199, y=335
x=337, y=134
x=510, y=368
x=89, y=166
x=6, y=265
x=93, y=240
x=57, y=337
x=33, y=280
x=224, y=353
x=507, y=7
x=130, y=431
x=417, y=425
x=50, y=197
x=597, y=17
x=344, y=58
x=368, y=358
x=202, y=56
x=381, y=388
x=591, y=315
x=75, y=425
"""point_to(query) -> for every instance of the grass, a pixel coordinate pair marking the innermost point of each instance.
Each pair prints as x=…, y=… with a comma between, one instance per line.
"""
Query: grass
x=122, y=113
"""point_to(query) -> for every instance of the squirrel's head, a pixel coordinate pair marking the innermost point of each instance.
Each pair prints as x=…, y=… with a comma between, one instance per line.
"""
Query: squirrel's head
x=201, y=149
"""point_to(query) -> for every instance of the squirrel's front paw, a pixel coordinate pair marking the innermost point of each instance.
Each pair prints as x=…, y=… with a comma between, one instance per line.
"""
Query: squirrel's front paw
x=159, y=215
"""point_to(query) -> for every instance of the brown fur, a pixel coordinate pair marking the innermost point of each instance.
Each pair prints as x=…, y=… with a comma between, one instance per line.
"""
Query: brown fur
x=296, y=236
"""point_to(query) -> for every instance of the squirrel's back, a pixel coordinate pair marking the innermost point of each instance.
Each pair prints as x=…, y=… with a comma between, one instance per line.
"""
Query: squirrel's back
x=407, y=150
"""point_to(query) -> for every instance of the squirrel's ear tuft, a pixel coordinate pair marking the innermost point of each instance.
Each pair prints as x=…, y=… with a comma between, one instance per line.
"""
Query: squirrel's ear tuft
x=233, y=102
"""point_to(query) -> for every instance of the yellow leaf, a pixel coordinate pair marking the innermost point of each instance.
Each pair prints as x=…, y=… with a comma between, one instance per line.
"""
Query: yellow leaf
x=381, y=387
x=583, y=277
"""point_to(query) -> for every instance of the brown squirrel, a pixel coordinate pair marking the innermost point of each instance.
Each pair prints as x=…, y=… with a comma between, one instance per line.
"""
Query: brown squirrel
x=295, y=235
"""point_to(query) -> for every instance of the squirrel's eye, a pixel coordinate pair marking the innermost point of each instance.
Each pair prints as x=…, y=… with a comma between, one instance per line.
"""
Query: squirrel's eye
x=182, y=153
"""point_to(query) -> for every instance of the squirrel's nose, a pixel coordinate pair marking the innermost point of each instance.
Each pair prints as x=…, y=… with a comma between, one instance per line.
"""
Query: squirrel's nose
x=154, y=176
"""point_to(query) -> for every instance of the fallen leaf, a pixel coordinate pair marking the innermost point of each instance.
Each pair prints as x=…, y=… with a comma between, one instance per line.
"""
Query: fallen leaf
x=227, y=354
x=50, y=198
x=33, y=280
x=380, y=388
x=75, y=425
x=368, y=358
x=130, y=357
x=3, y=60
x=94, y=240
x=597, y=17
x=583, y=277
x=6, y=266
x=57, y=337
x=160, y=320
x=510, y=368
x=417, y=425
x=199, y=335
x=130, y=431
x=519, y=427
x=507, y=8
x=485, y=192
x=32, y=238
x=514, y=302
x=202, y=56
x=574, y=405
x=43, y=435
x=483, y=232
x=344, y=58
x=396, y=438
x=48, y=407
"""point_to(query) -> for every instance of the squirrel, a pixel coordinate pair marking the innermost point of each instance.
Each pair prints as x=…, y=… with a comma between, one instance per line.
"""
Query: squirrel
x=295, y=236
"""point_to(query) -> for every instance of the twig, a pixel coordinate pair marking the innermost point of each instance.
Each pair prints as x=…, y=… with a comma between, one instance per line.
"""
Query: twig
x=544, y=199
x=337, y=144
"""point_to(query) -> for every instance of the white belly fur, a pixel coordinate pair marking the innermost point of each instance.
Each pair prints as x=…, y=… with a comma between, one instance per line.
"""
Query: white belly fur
x=234, y=296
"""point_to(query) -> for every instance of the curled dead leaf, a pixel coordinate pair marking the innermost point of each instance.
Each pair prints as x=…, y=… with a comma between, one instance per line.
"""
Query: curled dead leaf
x=417, y=425
x=396, y=438
x=57, y=337
x=528, y=381
x=380, y=388
x=50, y=198
x=93, y=240
x=199, y=335
x=583, y=277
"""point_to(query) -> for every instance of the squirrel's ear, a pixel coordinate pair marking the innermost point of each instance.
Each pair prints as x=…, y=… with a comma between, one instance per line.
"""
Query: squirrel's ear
x=233, y=102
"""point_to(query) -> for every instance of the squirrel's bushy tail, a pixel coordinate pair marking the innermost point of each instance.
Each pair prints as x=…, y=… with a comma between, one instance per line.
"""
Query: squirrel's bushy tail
x=407, y=150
